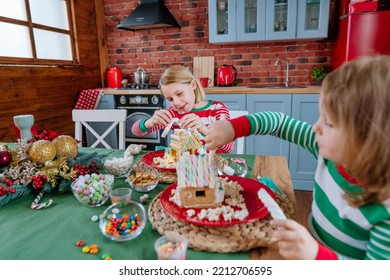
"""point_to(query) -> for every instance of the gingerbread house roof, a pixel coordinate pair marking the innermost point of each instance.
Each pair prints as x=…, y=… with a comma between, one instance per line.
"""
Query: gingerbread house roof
x=185, y=140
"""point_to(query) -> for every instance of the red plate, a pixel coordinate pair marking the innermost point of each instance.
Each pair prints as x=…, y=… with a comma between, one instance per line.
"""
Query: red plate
x=255, y=207
x=148, y=159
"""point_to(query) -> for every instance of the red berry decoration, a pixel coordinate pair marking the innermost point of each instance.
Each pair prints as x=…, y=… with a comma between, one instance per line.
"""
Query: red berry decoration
x=93, y=167
x=5, y=190
x=38, y=181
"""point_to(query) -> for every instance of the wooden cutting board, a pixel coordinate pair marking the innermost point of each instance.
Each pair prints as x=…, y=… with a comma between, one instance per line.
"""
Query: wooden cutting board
x=204, y=67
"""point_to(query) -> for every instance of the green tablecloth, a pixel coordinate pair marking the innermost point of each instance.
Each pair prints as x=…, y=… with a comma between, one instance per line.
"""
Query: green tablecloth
x=52, y=233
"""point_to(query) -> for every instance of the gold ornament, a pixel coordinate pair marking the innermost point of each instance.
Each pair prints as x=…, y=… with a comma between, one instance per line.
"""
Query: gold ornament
x=66, y=146
x=57, y=169
x=42, y=151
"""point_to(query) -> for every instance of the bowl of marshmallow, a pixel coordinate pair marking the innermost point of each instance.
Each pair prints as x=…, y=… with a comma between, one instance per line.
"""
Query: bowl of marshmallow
x=117, y=166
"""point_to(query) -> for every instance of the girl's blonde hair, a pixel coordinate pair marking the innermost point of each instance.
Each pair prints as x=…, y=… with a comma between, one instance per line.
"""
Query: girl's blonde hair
x=181, y=75
x=357, y=98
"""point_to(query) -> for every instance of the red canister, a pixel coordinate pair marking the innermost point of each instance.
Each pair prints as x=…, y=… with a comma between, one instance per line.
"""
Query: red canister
x=114, y=77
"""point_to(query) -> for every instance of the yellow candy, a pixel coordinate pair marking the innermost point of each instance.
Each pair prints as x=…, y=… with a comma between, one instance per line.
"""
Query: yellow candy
x=86, y=249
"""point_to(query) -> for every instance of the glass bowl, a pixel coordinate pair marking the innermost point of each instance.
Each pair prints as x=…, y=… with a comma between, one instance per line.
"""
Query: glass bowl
x=117, y=166
x=143, y=178
x=93, y=189
x=123, y=221
x=232, y=166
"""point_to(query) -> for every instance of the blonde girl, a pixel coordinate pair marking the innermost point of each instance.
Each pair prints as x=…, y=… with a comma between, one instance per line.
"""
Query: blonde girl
x=187, y=97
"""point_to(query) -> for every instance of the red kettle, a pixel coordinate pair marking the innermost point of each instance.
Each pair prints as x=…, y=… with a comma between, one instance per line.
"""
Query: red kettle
x=114, y=77
x=227, y=75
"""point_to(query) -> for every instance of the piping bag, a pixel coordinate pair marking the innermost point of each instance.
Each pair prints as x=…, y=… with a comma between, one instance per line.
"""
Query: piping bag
x=271, y=205
x=269, y=183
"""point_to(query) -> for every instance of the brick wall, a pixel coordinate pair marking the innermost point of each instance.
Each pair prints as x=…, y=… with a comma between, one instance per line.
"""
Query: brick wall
x=156, y=49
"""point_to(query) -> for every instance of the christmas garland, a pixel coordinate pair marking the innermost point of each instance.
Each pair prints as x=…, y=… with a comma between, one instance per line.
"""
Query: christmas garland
x=24, y=176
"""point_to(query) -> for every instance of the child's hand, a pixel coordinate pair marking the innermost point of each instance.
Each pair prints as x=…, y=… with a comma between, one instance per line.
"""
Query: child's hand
x=295, y=242
x=219, y=133
x=162, y=117
x=192, y=122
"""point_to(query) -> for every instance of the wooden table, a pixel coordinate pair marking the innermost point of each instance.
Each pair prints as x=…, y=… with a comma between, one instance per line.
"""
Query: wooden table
x=276, y=168
x=51, y=233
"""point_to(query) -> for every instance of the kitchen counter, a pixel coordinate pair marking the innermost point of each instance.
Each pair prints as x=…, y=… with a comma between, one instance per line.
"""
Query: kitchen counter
x=223, y=90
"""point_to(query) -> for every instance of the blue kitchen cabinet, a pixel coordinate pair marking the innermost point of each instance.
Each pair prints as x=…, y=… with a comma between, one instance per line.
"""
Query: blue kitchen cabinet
x=302, y=164
x=299, y=106
x=236, y=20
x=314, y=20
x=281, y=19
x=268, y=145
x=222, y=21
x=233, y=21
x=234, y=102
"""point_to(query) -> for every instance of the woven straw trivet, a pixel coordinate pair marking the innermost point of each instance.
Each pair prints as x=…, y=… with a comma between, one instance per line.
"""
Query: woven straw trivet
x=228, y=239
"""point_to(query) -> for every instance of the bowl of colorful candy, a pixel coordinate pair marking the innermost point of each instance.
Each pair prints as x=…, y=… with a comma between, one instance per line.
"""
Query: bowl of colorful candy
x=93, y=189
x=143, y=178
x=123, y=221
x=117, y=166
x=232, y=166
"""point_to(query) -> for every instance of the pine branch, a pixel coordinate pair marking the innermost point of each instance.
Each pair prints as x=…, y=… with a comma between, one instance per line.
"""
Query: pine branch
x=20, y=191
x=64, y=186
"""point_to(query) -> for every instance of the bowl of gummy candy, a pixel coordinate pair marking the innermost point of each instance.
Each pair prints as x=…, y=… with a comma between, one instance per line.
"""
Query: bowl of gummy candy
x=123, y=221
x=93, y=189
x=117, y=166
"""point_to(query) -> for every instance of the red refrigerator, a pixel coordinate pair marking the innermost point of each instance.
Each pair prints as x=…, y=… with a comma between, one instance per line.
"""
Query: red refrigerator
x=362, y=33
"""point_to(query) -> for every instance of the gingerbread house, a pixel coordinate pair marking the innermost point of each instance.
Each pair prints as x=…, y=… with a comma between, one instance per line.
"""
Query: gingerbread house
x=197, y=182
x=182, y=141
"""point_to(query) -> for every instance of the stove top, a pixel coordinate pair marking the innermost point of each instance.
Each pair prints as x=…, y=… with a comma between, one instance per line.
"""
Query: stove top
x=142, y=86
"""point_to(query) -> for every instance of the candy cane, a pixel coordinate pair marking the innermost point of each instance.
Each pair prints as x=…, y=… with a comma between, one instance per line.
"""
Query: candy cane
x=36, y=206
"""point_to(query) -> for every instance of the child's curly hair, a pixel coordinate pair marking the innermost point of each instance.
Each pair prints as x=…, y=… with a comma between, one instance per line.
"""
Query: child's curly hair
x=357, y=98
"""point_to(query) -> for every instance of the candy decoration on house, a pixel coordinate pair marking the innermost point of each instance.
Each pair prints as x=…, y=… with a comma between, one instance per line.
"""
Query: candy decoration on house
x=197, y=182
x=184, y=141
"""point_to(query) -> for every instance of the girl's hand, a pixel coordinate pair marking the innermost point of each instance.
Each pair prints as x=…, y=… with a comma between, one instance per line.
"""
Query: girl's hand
x=295, y=241
x=160, y=117
x=219, y=133
x=192, y=122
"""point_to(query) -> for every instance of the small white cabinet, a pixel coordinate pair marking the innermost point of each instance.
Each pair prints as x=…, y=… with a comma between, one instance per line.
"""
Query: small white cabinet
x=106, y=102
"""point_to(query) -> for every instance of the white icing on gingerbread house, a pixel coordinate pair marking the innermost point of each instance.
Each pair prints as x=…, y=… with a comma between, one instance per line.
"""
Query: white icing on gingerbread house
x=182, y=141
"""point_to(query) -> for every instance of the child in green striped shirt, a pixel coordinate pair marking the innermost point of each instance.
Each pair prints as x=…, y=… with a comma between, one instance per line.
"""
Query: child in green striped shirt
x=351, y=140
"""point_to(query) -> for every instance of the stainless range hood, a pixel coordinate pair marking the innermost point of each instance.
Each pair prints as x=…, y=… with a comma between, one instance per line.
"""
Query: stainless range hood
x=149, y=14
